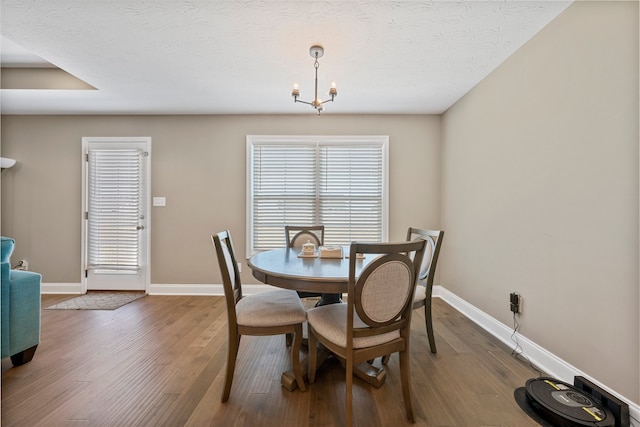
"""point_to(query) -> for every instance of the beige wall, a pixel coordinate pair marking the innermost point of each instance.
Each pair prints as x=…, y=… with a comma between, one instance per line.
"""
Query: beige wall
x=540, y=192
x=198, y=164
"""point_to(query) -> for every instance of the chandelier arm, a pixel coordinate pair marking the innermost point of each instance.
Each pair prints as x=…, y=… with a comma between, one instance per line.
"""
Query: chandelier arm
x=304, y=102
x=328, y=100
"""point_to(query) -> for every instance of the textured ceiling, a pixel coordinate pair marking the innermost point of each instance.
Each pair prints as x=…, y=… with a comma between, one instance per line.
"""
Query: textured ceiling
x=242, y=57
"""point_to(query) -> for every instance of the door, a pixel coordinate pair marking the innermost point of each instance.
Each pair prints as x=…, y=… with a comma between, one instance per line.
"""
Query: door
x=116, y=213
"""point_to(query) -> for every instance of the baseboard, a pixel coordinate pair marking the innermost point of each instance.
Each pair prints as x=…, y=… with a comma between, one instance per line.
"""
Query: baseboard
x=546, y=361
x=201, y=290
x=61, y=288
x=159, y=289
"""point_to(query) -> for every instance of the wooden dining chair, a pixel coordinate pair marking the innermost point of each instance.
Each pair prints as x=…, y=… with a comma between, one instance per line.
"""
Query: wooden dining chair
x=298, y=235
x=424, y=289
x=376, y=319
x=266, y=313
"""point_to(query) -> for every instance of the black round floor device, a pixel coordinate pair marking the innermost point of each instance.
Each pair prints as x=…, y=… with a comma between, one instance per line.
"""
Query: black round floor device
x=563, y=405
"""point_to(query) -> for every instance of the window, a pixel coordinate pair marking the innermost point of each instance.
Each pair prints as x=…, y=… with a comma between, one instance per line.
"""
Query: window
x=337, y=181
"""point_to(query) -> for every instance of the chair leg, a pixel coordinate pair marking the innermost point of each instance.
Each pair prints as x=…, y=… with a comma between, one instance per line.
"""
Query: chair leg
x=429, y=323
x=295, y=357
x=313, y=356
x=349, y=390
x=289, y=340
x=24, y=356
x=232, y=354
x=405, y=378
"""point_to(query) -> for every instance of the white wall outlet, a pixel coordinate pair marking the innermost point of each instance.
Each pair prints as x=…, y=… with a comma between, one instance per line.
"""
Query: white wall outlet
x=159, y=201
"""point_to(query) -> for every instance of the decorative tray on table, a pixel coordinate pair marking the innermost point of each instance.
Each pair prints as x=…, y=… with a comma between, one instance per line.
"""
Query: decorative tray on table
x=312, y=255
x=358, y=256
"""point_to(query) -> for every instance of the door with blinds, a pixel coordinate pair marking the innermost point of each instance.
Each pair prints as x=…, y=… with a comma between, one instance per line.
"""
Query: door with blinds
x=116, y=213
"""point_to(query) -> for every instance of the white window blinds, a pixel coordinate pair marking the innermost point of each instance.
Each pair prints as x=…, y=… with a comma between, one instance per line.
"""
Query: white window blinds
x=114, y=208
x=336, y=181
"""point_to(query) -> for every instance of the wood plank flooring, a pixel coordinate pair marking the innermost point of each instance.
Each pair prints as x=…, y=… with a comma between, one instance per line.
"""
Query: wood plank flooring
x=160, y=361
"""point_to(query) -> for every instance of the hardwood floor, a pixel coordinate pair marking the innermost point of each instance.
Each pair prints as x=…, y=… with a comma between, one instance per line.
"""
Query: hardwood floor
x=160, y=361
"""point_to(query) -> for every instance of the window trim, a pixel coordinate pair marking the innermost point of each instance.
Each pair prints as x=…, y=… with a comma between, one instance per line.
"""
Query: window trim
x=252, y=140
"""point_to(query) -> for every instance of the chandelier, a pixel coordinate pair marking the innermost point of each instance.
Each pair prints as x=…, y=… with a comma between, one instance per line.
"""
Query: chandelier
x=316, y=51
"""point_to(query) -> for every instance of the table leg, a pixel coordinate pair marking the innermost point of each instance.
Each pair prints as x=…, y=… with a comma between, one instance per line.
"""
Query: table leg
x=288, y=378
x=365, y=371
x=329, y=299
x=371, y=374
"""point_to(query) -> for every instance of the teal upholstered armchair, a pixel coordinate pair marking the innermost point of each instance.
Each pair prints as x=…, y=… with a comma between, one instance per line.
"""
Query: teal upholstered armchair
x=20, y=309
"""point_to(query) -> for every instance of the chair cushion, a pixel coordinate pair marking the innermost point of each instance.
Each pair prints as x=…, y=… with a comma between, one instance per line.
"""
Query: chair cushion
x=303, y=237
x=425, y=266
x=330, y=321
x=379, y=301
x=420, y=294
x=271, y=308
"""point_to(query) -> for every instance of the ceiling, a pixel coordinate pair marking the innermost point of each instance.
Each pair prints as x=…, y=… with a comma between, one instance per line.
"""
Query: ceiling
x=243, y=57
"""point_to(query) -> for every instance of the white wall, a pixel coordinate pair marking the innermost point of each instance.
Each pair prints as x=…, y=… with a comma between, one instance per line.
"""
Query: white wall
x=540, y=192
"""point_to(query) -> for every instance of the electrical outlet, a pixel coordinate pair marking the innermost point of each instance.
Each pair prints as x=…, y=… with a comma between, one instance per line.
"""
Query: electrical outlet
x=239, y=267
x=515, y=302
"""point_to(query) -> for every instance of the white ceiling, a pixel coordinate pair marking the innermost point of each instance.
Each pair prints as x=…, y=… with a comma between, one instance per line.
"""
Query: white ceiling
x=243, y=57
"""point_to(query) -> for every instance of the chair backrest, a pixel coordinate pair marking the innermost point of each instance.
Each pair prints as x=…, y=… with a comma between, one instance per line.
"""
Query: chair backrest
x=298, y=235
x=382, y=294
x=6, y=245
x=229, y=271
x=432, y=250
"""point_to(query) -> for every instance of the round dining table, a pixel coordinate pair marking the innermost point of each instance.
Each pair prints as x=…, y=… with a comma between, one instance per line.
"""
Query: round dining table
x=287, y=268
